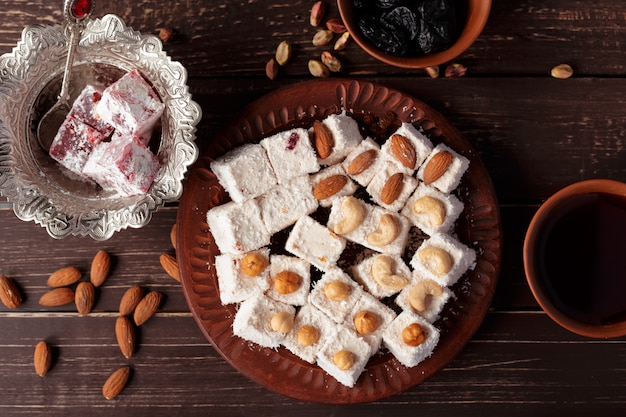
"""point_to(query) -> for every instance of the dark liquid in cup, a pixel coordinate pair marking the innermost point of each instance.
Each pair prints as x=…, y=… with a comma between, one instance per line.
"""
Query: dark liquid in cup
x=582, y=258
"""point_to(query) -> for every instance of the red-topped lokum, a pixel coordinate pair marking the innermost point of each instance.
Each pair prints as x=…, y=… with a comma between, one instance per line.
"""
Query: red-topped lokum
x=131, y=105
x=74, y=143
x=84, y=109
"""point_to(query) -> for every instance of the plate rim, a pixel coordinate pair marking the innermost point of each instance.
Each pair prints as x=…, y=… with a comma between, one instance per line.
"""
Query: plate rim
x=347, y=92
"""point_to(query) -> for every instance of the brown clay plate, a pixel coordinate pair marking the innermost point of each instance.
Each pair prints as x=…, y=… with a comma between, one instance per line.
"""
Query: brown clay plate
x=374, y=107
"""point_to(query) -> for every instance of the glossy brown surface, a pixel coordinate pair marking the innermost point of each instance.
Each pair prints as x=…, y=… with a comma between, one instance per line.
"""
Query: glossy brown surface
x=279, y=370
x=477, y=16
x=534, y=134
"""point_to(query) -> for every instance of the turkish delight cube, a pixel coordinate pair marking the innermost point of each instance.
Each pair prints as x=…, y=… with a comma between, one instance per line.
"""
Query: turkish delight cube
x=431, y=210
x=369, y=318
x=452, y=175
x=422, y=146
x=291, y=154
x=84, y=109
x=314, y=243
x=368, y=150
x=346, y=136
x=311, y=330
x=284, y=204
x=412, y=353
x=237, y=228
x=74, y=143
x=131, y=105
x=356, y=350
x=335, y=294
x=123, y=165
x=234, y=284
x=443, y=258
x=244, y=172
x=283, y=287
x=253, y=320
x=389, y=172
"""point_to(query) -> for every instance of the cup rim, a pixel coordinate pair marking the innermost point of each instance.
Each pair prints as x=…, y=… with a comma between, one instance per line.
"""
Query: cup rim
x=582, y=187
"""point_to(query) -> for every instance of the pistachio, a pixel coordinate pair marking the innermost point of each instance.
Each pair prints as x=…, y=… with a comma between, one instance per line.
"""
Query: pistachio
x=341, y=43
x=271, y=69
x=562, y=71
x=322, y=37
x=331, y=62
x=318, y=69
x=336, y=26
x=283, y=53
x=317, y=13
x=433, y=72
x=455, y=71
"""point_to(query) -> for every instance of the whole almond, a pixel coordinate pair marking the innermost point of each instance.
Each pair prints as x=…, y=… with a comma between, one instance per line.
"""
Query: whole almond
x=125, y=335
x=57, y=297
x=323, y=140
x=392, y=188
x=362, y=162
x=130, y=299
x=329, y=186
x=403, y=150
x=64, y=277
x=84, y=297
x=100, y=267
x=9, y=293
x=147, y=307
x=42, y=358
x=116, y=382
x=170, y=265
x=437, y=166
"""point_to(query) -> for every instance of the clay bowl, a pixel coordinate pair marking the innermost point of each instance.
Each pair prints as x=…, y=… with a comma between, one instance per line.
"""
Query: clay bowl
x=476, y=18
x=580, y=285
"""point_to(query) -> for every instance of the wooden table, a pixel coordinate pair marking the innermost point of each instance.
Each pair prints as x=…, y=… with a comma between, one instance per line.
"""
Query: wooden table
x=534, y=133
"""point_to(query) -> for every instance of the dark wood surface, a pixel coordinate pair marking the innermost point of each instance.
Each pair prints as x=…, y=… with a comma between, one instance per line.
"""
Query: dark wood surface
x=534, y=133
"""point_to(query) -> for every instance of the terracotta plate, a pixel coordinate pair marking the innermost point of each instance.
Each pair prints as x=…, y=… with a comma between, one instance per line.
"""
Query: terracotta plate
x=374, y=106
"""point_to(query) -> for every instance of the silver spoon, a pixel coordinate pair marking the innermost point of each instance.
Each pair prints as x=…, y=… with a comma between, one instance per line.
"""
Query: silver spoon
x=75, y=12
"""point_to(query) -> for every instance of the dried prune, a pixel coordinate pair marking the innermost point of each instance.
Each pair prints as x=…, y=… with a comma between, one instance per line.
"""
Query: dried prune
x=384, y=36
x=403, y=19
x=387, y=4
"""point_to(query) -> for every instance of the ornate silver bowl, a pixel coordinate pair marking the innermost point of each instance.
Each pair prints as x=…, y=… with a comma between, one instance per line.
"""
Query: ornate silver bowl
x=30, y=80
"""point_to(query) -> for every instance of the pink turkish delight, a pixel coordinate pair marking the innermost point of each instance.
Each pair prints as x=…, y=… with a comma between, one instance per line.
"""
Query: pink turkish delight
x=123, y=164
x=74, y=143
x=84, y=109
x=131, y=105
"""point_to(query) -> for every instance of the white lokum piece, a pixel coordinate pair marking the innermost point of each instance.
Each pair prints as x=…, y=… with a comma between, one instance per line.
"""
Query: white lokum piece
x=378, y=183
x=407, y=354
x=443, y=259
x=346, y=136
x=380, y=286
x=123, y=165
x=253, y=320
x=131, y=105
x=348, y=189
x=335, y=294
x=320, y=328
x=237, y=228
x=354, y=352
x=451, y=178
x=244, y=172
x=381, y=230
x=236, y=286
x=291, y=154
x=284, y=204
x=314, y=243
x=280, y=264
x=431, y=210
x=425, y=297
x=369, y=318
x=422, y=146
x=368, y=150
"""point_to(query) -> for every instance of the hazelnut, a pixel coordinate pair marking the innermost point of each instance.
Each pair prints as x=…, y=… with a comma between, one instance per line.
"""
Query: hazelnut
x=366, y=322
x=287, y=282
x=253, y=264
x=413, y=335
x=344, y=359
x=282, y=322
x=308, y=335
x=337, y=290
